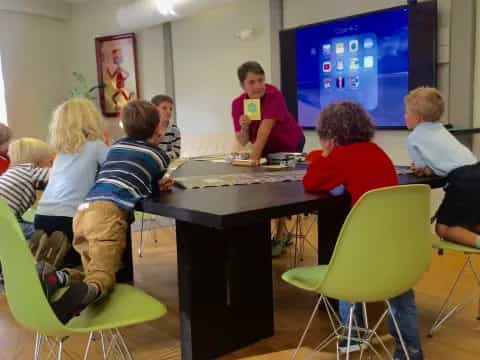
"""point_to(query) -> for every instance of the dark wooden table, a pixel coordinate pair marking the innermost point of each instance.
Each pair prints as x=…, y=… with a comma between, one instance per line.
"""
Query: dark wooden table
x=224, y=253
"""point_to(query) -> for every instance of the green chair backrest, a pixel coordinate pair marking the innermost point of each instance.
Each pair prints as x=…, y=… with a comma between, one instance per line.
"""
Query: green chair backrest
x=384, y=245
x=24, y=292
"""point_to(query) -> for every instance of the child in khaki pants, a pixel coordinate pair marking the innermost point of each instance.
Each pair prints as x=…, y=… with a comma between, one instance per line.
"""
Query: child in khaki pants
x=132, y=171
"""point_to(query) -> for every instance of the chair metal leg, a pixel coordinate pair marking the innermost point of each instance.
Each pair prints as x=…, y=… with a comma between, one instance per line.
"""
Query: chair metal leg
x=52, y=346
x=349, y=336
x=443, y=315
x=60, y=349
x=397, y=329
x=102, y=341
x=38, y=346
x=116, y=346
x=300, y=238
x=308, y=327
x=123, y=345
x=351, y=332
x=87, y=349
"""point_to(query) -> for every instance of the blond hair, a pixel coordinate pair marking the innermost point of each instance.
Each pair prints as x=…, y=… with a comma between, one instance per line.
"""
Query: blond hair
x=427, y=102
x=28, y=151
x=75, y=122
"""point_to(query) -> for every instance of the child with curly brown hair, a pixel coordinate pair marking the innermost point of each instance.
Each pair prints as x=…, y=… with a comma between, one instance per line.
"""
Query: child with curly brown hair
x=350, y=159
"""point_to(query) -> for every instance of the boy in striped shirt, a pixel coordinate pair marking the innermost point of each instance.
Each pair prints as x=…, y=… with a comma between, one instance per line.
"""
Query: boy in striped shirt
x=31, y=160
x=133, y=171
x=172, y=140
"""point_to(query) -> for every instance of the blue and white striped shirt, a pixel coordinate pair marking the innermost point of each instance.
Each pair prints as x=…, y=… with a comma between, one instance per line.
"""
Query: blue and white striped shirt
x=130, y=173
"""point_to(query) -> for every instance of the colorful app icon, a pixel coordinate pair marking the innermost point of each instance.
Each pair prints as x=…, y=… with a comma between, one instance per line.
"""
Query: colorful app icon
x=368, y=62
x=340, y=82
x=327, y=83
x=326, y=49
x=368, y=43
x=327, y=66
x=340, y=65
x=354, y=82
x=340, y=48
x=354, y=63
x=353, y=45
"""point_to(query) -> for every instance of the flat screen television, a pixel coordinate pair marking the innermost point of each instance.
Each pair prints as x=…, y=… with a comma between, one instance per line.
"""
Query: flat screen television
x=373, y=59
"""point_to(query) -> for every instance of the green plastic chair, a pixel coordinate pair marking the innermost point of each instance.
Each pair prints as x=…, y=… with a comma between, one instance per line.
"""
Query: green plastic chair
x=382, y=250
x=445, y=311
x=125, y=305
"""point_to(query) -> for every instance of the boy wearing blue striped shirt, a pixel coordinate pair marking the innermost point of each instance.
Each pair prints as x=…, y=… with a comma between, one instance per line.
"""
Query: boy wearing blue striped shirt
x=133, y=171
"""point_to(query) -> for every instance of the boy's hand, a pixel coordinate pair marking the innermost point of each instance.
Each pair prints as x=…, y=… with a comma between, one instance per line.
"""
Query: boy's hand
x=165, y=184
x=423, y=171
x=255, y=156
x=245, y=121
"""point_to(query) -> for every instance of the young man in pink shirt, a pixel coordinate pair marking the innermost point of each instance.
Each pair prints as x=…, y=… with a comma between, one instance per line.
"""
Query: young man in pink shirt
x=277, y=131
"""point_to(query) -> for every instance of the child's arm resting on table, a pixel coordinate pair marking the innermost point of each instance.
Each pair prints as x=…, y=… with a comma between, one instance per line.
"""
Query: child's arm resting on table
x=324, y=173
x=165, y=183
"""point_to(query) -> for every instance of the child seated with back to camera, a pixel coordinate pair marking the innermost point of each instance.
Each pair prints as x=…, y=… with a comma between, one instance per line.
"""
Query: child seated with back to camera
x=133, y=170
x=434, y=150
x=76, y=135
x=29, y=170
x=345, y=132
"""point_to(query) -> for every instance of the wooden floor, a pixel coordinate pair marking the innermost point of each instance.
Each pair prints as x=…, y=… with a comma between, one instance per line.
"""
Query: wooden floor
x=155, y=272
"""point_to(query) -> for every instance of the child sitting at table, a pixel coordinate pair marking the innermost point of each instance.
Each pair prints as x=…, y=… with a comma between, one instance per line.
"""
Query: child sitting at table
x=172, y=140
x=31, y=160
x=132, y=171
x=434, y=150
x=346, y=131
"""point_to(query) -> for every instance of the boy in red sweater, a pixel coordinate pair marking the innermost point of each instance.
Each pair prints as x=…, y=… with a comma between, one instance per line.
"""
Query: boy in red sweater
x=5, y=137
x=350, y=161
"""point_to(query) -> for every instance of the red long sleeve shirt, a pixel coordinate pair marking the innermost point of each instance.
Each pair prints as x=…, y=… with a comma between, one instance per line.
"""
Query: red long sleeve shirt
x=360, y=167
x=4, y=164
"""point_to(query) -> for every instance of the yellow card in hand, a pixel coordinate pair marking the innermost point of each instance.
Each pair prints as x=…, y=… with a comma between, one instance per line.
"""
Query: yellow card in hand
x=251, y=108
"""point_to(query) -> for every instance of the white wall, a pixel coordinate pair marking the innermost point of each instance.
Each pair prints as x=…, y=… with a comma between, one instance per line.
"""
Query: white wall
x=56, y=9
x=206, y=56
x=295, y=14
x=98, y=18
x=33, y=62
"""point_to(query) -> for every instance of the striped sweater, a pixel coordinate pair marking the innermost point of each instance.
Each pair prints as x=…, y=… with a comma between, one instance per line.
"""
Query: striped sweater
x=171, y=142
x=18, y=186
x=130, y=173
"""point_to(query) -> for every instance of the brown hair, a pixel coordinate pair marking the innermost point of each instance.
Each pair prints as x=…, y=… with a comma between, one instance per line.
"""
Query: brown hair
x=427, y=102
x=346, y=123
x=5, y=134
x=158, y=99
x=249, y=66
x=140, y=119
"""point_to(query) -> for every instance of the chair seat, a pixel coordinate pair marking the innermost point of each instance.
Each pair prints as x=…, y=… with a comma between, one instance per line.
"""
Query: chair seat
x=124, y=306
x=441, y=244
x=307, y=277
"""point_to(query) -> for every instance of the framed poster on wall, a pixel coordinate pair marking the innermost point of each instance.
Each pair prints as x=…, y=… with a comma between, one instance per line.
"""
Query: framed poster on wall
x=116, y=71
